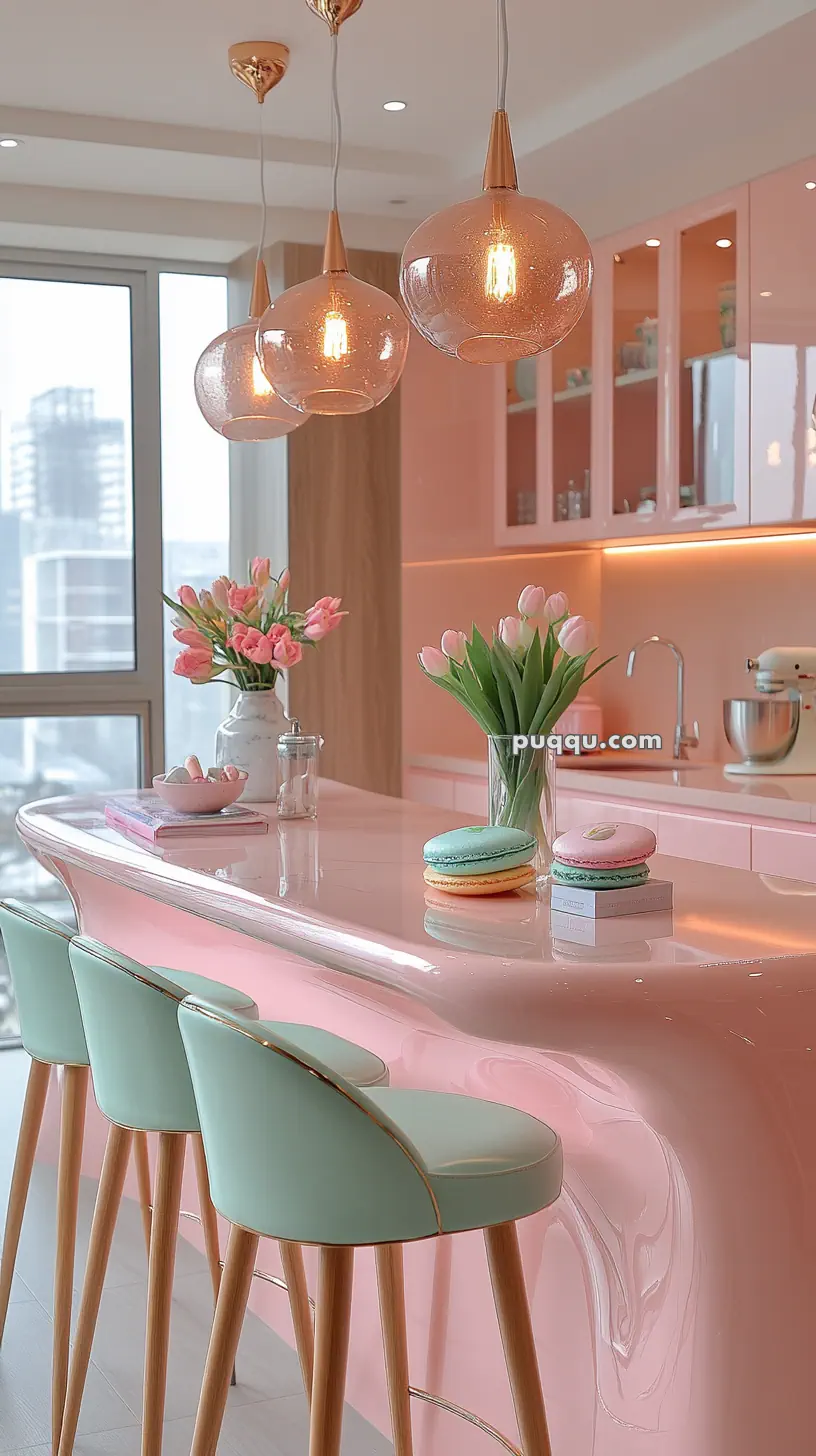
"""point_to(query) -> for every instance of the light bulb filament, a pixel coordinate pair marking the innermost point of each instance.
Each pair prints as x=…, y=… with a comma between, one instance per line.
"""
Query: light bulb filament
x=500, y=280
x=260, y=383
x=335, y=335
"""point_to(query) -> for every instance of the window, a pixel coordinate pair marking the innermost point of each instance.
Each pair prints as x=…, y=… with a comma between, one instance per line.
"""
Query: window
x=66, y=481
x=195, y=496
x=99, y=433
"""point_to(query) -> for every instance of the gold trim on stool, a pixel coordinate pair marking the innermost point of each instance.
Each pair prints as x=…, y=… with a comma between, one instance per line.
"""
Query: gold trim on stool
x=465, y=1415
x=290, y=1057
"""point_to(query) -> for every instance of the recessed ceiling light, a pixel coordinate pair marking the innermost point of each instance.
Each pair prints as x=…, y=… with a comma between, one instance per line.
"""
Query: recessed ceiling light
x=398, y=201
x=9, y=142
x=766, y=293
x=723, y=242
x=652, y=242
x=810, y=186
x=394, y=105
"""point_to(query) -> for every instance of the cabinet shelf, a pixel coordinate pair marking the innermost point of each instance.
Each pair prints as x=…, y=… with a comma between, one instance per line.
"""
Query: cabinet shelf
x=579, y=391
x=521, y=406
x=704, y=358
x=635, y=376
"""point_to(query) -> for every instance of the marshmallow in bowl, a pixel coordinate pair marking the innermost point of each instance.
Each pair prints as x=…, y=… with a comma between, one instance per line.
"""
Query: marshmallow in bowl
x=191, y=773
x=177, y=775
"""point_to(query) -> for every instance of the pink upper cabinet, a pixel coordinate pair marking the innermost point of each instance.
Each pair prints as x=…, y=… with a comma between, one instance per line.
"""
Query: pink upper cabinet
x=638, y=423
x=783, y=345
x=707, y=362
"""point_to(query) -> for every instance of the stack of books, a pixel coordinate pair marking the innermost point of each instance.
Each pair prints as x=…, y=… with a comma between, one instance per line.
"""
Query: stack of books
x=149, y=817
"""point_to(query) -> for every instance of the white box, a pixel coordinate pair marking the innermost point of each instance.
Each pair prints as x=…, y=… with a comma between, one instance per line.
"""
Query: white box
x=613, y=931
x=598, y=904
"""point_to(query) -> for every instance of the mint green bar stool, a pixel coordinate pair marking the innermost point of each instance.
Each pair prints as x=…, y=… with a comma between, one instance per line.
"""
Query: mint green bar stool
x=142, y=1082
x=341, y=1168
x=52, y=1033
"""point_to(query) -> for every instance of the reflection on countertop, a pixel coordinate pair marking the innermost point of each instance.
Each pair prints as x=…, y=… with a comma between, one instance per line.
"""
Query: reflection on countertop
x=692, y=784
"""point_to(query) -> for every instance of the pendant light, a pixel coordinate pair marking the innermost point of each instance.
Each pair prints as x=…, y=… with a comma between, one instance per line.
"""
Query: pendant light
x=501, y=276
x=333, y=345
x=232, y=391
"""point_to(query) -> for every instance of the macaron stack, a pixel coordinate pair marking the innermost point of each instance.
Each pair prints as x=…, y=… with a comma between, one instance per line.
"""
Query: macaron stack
x=603, y=856
x=480, y=860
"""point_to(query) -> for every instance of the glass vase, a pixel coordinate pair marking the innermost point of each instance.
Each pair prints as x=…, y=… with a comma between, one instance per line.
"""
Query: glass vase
x=521, y=794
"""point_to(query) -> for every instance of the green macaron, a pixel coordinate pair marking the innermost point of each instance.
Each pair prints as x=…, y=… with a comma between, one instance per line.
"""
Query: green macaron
x=581, y=878
x=480, y=849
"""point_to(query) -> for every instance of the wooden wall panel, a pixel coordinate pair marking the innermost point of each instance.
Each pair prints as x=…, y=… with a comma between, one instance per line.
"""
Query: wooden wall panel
x=344, y=540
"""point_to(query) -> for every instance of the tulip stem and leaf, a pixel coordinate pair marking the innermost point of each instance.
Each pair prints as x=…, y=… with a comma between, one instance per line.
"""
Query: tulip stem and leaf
x=519, y=684
x=247, y=631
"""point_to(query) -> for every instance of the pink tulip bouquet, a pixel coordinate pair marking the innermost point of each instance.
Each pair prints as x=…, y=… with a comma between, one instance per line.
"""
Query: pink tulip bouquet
x=516, y=688
x=247, y=631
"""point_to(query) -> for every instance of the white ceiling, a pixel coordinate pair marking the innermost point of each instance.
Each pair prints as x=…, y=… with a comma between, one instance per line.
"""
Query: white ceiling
x=137, y=138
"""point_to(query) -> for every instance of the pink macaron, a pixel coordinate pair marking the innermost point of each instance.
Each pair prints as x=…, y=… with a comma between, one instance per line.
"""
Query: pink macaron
x=605, y=846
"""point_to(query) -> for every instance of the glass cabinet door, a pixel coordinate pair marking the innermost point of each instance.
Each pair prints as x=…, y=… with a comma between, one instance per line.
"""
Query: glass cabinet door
x=708, y=366
x=571, y=419
x=522, y=451
x=635, y=372
x=783, y=345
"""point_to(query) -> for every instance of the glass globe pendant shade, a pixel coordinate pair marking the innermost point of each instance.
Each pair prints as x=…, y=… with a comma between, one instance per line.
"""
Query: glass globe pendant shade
x=333, y=345
x=501, y=276
x=232, y=391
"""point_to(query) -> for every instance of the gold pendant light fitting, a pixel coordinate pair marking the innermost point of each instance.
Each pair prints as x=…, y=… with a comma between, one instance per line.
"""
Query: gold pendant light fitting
x=260, y=64
x=500, y=164
x=261, y=298
x=232, y=392
x=334, y=12
x=334, y=252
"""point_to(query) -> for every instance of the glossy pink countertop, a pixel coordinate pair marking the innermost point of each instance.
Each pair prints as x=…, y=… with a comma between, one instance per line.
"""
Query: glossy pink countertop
x=674, y=1284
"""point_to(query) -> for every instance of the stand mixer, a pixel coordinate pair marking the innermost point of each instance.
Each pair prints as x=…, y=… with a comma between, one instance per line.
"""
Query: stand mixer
x=778, y=735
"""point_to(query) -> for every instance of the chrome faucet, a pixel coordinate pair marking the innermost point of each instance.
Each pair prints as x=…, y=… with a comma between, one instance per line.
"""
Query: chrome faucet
x=684, y=738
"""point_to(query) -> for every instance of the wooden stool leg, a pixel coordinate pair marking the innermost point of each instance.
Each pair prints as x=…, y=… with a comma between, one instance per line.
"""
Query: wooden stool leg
x=295, y=1275
x=141, y=1158
x=209, y=1220
x=331, y=1349
x=391, y=1285
x=33, y=1108
x=72, y=1128
x=516, y=1326
x=108, y=1199
x=209, y=1217
x=229, y=1317
x=166, y=1207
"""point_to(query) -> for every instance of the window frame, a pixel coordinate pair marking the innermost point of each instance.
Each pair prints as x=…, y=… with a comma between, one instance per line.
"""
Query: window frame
x=137, y=691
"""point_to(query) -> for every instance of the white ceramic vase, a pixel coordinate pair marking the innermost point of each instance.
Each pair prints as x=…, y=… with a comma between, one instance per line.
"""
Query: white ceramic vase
x=248, y=737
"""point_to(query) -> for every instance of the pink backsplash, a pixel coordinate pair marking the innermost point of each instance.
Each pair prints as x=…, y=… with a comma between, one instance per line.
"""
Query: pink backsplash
x=719, y=605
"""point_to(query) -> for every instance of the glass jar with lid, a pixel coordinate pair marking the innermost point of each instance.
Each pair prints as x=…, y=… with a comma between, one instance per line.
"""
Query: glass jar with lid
x=297, y=763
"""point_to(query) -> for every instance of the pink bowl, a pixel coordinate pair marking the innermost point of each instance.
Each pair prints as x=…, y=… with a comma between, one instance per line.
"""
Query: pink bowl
x=204, y=798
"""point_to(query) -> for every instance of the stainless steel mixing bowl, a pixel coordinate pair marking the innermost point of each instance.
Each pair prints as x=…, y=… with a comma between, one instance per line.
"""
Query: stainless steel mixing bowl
x=760, y=730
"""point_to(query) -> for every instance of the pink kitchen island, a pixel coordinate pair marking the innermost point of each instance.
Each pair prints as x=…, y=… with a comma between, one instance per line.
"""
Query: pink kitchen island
x=673, y=1285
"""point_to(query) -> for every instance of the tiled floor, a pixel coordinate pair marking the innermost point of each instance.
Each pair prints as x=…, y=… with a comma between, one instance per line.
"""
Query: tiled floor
x=266, y=1413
